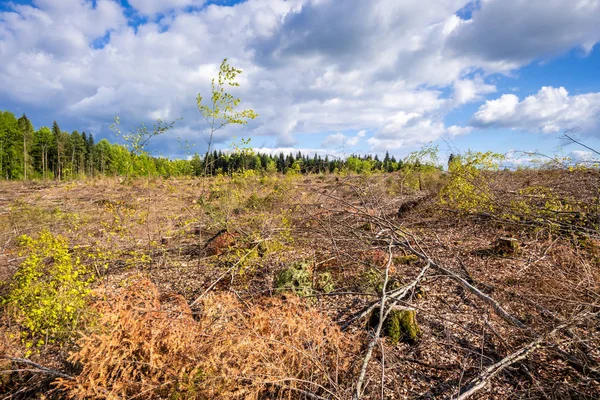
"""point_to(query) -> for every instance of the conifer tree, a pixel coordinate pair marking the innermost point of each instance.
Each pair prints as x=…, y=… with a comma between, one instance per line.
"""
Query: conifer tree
x=26, y=129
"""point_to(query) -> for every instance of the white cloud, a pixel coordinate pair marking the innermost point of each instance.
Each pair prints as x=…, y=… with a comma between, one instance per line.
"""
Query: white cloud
x=274, y=151
x=583, y=156
x=504, y=34
x=469, y=90
x=394, y=68
x=152, y=7
x=335, y=140
x=339, y=140
x=458, y=130
x=550, y=110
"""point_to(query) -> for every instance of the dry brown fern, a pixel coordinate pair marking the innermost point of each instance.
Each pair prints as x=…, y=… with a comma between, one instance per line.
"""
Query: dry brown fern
x=150, y=346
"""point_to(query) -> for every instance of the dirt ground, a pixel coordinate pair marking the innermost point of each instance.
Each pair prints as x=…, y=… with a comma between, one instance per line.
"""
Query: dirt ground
x=197, y=237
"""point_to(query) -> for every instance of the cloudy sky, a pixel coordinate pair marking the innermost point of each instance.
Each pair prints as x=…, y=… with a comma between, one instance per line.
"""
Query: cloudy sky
x=340, y=76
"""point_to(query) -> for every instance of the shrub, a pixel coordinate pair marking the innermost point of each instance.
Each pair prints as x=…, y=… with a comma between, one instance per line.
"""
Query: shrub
x=468, y=190
x=296, y=278
x=49, y=291
x=325, y=282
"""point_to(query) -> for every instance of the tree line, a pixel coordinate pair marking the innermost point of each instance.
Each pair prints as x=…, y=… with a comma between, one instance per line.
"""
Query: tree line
x=51, y=153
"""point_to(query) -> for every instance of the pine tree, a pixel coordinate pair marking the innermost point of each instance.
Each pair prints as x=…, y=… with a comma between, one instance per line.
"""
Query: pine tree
x=57, y=150
x=26, y=129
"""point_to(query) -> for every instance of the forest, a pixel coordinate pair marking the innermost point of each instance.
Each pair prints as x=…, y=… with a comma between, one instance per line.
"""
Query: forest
x=50, y=153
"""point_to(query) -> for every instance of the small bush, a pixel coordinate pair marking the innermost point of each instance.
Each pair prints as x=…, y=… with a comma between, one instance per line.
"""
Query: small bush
x=371, y=281
x=49, y=291
x=297, y=278
x=325, y=282
x=467, y=189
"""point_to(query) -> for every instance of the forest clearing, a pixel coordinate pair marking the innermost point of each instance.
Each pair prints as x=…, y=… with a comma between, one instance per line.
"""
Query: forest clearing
x=272, y=286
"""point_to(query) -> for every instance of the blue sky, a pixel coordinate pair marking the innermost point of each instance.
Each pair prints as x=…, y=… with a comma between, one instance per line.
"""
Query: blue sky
x=323, y=75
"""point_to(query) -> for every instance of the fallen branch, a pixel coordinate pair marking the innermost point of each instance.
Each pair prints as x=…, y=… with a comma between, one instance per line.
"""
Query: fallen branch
x=490, y=372
x=38, y=368
x=394, y=296
x=224, y=274
x=363, y=371
x=501, y=312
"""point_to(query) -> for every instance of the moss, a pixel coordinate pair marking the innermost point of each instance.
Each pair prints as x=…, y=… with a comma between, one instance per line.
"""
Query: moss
x=296, y=278
x=400, y=325
x=371, y=281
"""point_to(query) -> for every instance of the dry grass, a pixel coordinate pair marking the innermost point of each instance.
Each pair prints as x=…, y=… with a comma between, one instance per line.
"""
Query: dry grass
x=149, y=345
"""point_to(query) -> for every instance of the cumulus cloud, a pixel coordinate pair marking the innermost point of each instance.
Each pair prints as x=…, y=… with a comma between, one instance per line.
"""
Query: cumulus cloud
x=469, y=90
x=152, y=7
x=339, y=139
x=550, y=110
x=310, y=66
x=503, y=34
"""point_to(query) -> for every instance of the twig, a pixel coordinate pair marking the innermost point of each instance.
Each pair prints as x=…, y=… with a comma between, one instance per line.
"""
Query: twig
x=484, y=297
x=501, y=312
x=224, y=274
x=394, y=296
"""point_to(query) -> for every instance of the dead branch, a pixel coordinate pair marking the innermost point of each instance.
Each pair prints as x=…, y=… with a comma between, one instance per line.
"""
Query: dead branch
x=38, y=368
x=363, y=370
x=484, y=378
x=501, y=312
x=394, y=296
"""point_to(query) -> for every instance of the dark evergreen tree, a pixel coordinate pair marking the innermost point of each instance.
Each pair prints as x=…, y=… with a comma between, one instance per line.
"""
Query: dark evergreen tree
x=26, y=129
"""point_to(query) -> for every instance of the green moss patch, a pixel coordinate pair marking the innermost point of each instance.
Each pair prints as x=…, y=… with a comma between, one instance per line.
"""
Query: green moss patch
x=400, y=325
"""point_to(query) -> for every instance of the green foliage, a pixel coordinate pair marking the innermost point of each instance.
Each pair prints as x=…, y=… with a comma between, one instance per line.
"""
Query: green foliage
x=136, y=142
x=468, y=189
x=297, y=278
x=325, y=282
x=50, y=153
x=49, y=291
x=407, y=260
x=221, y=111
x=418, y=167
x=371, y=281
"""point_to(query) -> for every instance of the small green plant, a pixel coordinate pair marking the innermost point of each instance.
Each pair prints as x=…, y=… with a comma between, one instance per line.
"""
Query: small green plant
x=297, y=278
x=419, y=167
x=221, y=110
x=371, y=281
x=49, y=292
x=325, y=282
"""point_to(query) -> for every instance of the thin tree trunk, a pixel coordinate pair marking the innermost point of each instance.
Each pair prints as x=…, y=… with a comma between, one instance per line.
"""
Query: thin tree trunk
x=24, y=156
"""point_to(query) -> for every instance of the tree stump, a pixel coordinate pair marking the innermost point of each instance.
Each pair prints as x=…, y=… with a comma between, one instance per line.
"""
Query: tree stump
x=400, y=325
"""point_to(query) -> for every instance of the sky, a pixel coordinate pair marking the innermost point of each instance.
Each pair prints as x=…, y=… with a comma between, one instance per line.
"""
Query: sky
x=328, y=76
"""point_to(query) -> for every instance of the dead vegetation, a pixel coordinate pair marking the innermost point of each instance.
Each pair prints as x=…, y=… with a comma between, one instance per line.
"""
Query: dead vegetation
x=265, y=287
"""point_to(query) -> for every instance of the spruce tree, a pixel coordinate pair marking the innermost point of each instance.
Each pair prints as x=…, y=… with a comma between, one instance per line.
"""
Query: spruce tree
x=26, y=129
